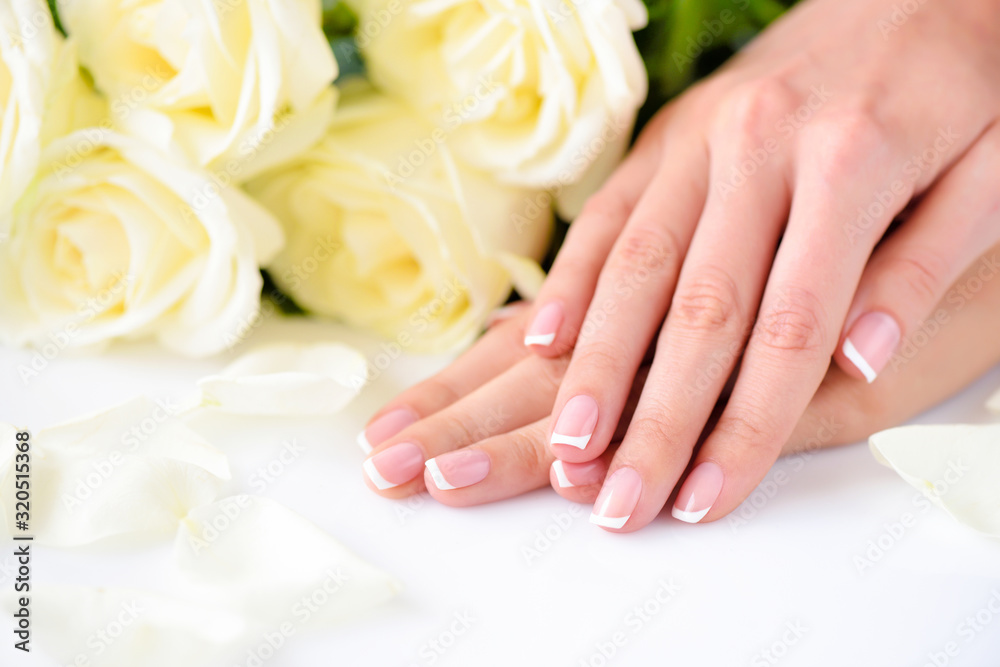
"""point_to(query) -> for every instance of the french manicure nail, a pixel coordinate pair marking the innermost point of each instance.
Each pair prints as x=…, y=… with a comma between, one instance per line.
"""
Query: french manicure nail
x=871, y=342
x=385, y=427
x=700, y=491
x=545, y=325
x=394, y=466
x=617, y=499
x=455, y=470
x=576, y=422
x=577, y=474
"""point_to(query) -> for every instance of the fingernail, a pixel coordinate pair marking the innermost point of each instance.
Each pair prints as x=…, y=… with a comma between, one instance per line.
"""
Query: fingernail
x=577, y=474
x=576, y=422
x=545, y=325
x=871, y=342
x=618, y=499
x=455, y=470
x=394, y=466
x=385, y=427
x=700, y=491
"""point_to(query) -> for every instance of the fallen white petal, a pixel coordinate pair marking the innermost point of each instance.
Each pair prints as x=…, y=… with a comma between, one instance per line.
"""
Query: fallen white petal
x=956, y=466
x=994, y=402
x=268, y=562
x=288, y=379
x=119, y=627
x=133, y=469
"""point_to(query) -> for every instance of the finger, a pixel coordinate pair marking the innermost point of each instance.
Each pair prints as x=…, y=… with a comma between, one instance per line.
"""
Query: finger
x=628, y=306
x=498, y=350
x=958, y=349
x=810, y=288
x=567, y=290
x=912, y=270
x=708, y=323
x=499, y=406
x=497, y=468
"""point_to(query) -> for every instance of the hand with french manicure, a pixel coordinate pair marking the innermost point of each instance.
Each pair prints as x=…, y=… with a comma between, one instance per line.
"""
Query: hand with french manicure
x=683, y=339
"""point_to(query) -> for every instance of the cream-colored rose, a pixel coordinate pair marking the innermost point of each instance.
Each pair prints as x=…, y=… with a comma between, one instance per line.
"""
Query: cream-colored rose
x=38, y=81
x=238, y=85
x=114, y=239
x=388, y=232
x=535, y=91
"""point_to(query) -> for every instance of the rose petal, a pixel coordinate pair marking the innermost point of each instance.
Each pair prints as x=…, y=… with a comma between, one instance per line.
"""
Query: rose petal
x=993, y=403
x=957, y=467
x=288, y=379
x=268, y=562
x=118, y=627
x=130, y=470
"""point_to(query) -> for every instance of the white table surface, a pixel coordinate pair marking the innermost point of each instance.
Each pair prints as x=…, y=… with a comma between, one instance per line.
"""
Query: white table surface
x=739, y=589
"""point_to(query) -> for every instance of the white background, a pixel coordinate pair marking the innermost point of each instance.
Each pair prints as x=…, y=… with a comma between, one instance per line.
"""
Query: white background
x=792, y=563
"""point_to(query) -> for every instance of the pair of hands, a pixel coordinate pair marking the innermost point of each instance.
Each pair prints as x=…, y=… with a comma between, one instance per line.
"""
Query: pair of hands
x=689, y=321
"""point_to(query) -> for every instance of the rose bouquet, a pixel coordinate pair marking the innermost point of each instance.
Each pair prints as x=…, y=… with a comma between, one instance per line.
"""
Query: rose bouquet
x=158, y=155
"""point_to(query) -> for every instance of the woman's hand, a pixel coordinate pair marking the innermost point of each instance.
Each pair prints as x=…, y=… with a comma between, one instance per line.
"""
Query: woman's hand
x=484, y=421
x=741, y=233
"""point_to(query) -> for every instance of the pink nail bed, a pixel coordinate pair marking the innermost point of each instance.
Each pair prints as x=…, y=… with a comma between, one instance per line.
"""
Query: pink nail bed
x=576, y=422
x=617, y=499
x=700, y=491
x=544, y=327
x=455, y=470
x=395, y=465
x=871, y=343
x=385, y=427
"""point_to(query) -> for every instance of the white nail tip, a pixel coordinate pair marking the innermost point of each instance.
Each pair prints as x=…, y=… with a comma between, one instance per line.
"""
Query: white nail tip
x=608, y=522
x=364, y=444
x=564, y=482
x=859, y=361
x=579, y=441
x=542, y=340
x=689, y=517
x=373, y=474
x=439, y=480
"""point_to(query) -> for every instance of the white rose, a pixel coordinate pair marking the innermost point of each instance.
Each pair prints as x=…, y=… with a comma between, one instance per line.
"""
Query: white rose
x=535, y=91
x=37, y=68
x=238, y=85
x=114, y=239
x=388, y=232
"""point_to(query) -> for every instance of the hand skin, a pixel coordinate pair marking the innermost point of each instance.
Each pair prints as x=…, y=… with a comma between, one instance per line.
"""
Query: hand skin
x=957, y=345
x=745, y=227
x=817, y=135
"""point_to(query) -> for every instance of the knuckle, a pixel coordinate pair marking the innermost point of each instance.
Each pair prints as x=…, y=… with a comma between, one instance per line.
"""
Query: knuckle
x=607, y=204
x=708, y=303
x=460, y=431
x=793, y=325
x=528, y=453
x=923, y=272
x=647, y=247
x=752, y=109
x=843, y=142
x=748, y=428
x=651, y=428
x=550, y=373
